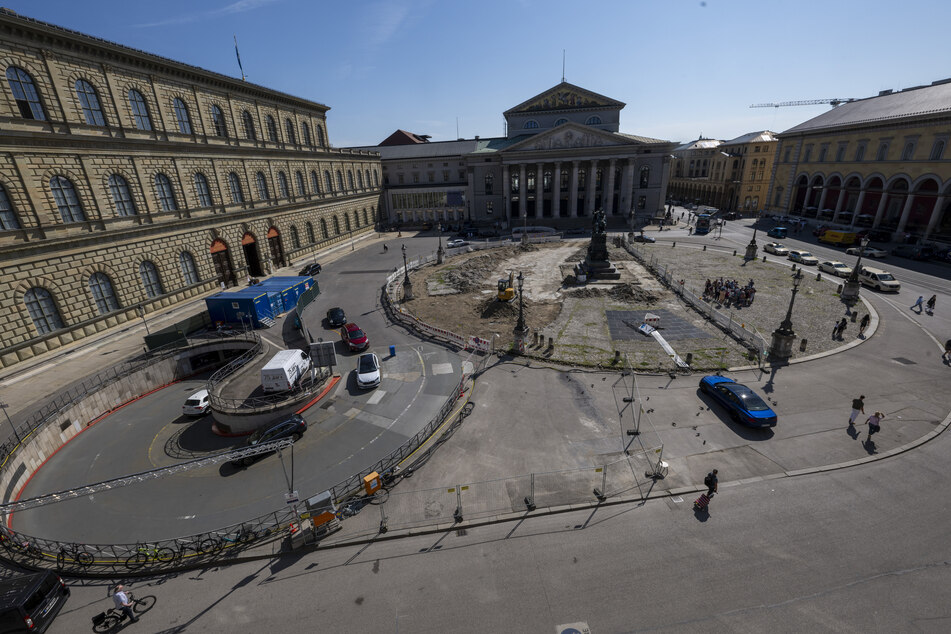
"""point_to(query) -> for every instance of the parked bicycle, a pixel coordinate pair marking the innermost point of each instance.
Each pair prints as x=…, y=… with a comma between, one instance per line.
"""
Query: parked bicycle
x=110, y=619
x=145, y=554
x=74, y=553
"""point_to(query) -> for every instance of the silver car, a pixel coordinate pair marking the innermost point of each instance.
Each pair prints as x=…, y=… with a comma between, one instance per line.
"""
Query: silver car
x=775, y=248
x=368, y=371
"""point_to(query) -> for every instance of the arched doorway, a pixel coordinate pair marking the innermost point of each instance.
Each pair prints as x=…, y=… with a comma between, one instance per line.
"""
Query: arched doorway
x=251, y=255
x=276, y=248
x=222, y=261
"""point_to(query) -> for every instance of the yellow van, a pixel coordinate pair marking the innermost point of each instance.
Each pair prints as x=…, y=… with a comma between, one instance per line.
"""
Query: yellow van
x=843, y=238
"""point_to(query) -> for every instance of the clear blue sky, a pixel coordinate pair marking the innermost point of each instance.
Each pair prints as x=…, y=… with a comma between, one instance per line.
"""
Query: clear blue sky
x=683, y=67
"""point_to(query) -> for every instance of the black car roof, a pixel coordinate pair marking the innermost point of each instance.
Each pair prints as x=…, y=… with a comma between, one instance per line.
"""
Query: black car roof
x=15, y=589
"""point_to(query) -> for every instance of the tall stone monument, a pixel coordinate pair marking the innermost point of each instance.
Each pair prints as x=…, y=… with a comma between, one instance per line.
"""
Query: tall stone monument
x=596, y=263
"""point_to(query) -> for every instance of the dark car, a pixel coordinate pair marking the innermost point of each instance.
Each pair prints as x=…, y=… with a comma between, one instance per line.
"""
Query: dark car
x=642, y=238
x=355, y=338
x=293, y=426
x=310, y=269
x=913, y=251
x=29, y=603
x=744, y=405
x=336, y=316
x=777, y=232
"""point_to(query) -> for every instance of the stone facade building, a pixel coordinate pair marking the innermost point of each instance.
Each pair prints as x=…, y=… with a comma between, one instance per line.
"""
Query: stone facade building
x=729, y=175
x=561, y=159
x=882, y=162
x=130, y=182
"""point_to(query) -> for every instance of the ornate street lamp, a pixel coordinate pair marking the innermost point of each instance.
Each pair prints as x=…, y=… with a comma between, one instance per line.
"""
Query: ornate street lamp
x=439, y=252
x=521, y=330
x=751, y=248
x=784, y=335
x=850, y=289
x=407, y=285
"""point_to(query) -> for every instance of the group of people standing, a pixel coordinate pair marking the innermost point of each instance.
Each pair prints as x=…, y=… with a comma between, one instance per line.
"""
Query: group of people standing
x=727, y=292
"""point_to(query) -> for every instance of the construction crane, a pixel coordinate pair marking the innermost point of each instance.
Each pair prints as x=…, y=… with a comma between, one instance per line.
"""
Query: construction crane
x=808, y=102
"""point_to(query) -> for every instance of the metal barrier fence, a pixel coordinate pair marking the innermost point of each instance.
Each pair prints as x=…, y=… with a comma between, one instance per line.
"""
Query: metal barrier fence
x=393, y=510
x=747, y=337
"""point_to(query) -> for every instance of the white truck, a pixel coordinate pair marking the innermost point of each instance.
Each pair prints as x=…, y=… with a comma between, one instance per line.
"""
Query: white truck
x=284, y=370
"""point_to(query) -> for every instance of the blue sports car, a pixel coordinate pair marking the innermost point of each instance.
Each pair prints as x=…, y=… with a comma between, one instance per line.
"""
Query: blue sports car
x=744, y=405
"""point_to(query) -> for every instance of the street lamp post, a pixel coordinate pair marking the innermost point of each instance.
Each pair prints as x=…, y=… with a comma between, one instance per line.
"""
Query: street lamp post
x=850, y=289
x=407, y=285
x=439, y=252
x=784, y=335
x=521, y=330
x=141, y=310
x=4, y=407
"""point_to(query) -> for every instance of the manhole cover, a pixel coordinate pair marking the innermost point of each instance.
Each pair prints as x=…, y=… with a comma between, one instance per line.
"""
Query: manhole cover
x=904, y=361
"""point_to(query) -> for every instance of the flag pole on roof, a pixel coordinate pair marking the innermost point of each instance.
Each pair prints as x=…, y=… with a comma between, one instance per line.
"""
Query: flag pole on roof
x=238, y=55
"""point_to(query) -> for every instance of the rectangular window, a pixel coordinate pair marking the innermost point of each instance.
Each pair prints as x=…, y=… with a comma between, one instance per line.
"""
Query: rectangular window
x=399, y=178
x=808, y=155
x=840, y=153
x=462, y=175
x=822, y=154
x=445, y=176
x=642, y=202
x=488, y=209
x=416, y=178
x=786, y=156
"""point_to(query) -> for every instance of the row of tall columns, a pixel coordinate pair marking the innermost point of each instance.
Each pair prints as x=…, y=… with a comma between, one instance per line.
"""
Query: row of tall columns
x=625, y=202
x=880, y=210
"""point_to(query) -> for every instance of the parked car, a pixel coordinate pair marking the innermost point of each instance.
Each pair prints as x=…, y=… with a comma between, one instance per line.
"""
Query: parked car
x=913, y=251
x=777, y=232
x=336, y=317
x=803, y=257
x=29, y=603
x=452, y=244
x=368, y=371
x=197, y=404
x=836, y=268
x=310, y=269
x=743, y=404
x=355, y=338
x=819, y=230
x=775, y=248
x=292, y=426
x=640, y=237
x=870, y=252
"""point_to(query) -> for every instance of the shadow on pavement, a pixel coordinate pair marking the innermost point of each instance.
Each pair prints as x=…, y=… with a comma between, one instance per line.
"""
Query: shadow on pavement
x=744, y=432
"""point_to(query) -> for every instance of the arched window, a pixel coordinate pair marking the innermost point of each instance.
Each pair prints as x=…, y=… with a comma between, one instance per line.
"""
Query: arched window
x=320, y=136
x=263, y=193
x=366, y=219
x=25, y=94
x=350, y=179
x=140, y=111
x=360, y=179
x=182, y=116
x=340, y=181
x=248, y=121
x=489, y=181
x=937, y=150
x=593, y=120
x=121, y=195
x=150, y=279
x=234, y=185
x=323, y=229
x=101, y=287
x=305, y=133
x=301, y=189
x=310, y=233
x=271, y=128
x=289, y=131
x=367, y=172
x=645, y=176
x=42, y=309
x=89, y=100
x=8, y=217
x=315, y=182
x=218, y=121
x=189, y=270
x=560, y=121
x=337, y=226
x=201, y=189
x=356, y=219
x=531, y=124
x=66, y=200
x=282, y=188
x=328, y=182
x=376, y=178
x=295, y=238
x=165, y=193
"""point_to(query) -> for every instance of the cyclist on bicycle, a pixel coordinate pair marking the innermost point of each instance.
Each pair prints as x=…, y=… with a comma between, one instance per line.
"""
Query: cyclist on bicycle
x=123, y=604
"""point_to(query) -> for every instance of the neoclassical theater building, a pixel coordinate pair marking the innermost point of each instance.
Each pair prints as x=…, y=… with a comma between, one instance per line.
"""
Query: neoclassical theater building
x=130, y=182
x=561, y=159
x=880, y=162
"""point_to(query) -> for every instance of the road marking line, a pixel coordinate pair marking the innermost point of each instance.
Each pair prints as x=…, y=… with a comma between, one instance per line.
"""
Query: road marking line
x=376, y=398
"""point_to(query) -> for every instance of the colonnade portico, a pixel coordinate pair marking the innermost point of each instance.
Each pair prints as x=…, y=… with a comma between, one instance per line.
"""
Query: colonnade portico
x=582, y=180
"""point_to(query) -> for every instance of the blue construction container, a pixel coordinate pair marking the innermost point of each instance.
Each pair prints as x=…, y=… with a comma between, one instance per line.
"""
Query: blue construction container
x=239, y=307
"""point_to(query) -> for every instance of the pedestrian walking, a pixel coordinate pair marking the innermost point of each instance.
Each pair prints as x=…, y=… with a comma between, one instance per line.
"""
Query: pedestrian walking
x=947, y=350
x=858, y=407
x=839, y=328
x=918, y=303
x=864, y=324
x=711, y=483
x=874, y=424
x=931, y=303
x=385, y=248
x=121, y=599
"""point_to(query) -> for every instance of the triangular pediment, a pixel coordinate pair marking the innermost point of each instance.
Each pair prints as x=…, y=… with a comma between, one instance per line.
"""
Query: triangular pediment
x=569, y=135
x=565, y=96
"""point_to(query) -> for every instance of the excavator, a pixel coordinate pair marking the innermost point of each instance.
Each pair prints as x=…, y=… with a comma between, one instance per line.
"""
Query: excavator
x=507, y=288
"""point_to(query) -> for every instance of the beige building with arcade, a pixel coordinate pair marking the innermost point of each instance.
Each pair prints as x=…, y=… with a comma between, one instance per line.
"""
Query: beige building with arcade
x=130, y=182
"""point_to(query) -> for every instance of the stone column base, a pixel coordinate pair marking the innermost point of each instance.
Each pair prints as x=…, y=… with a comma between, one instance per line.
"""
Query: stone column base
x=850, y=292
x=782, y=344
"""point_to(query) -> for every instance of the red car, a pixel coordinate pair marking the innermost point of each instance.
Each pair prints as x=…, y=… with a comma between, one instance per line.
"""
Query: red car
x=355, y=338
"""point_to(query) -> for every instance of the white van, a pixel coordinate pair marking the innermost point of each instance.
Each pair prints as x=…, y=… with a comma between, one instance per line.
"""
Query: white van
x=284, y=369
x=879, y=280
